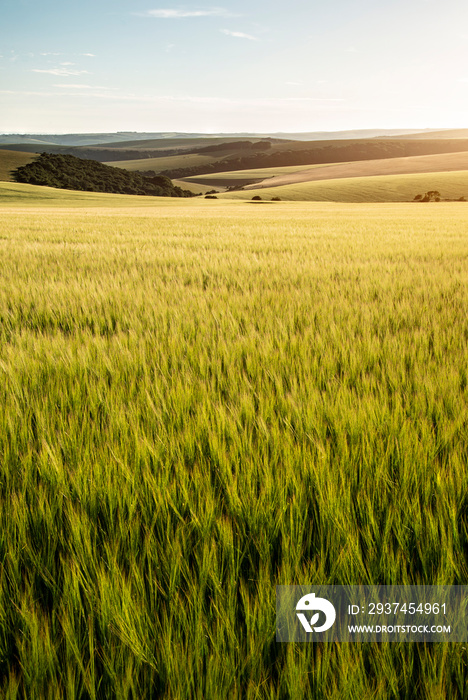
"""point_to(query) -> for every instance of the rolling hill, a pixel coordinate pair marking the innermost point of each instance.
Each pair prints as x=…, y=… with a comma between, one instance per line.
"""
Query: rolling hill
x=312, y=153
x=381, y=188
x=445, y=162
x=239, y=155
x=10, y=160
x=127, y=137
x=442, y=134
x=163, y=163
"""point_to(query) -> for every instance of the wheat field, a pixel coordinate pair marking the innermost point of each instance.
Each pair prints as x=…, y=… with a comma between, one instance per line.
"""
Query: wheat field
x=202, y=400
x=363, y=190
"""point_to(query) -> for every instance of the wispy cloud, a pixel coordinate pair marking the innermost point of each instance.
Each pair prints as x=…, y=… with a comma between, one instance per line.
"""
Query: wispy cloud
x=210, y=102
x=239, y=35
x=181, y=13
x=50, y=53
x=62, y=72
x=90, y=55
x=75, y=86
x=67, y=63
x=82, y=86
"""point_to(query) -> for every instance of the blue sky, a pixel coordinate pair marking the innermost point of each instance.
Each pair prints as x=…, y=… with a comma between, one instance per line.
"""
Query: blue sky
x=116, y=65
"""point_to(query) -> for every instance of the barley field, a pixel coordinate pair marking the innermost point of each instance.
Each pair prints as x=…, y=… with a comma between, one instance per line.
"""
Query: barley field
x=202, y=400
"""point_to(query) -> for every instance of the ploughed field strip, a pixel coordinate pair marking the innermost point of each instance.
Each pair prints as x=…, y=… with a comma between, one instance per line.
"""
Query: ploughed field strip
x=202, y=400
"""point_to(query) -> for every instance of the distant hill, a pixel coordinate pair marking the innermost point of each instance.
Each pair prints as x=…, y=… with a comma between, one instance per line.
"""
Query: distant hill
x=441, y=162
x=350, y=134
x=71, y=173
x=182, y=157
x=133, y=150
x=321, y=152
x=80, y=139
x=444, y=134
x=127, y=137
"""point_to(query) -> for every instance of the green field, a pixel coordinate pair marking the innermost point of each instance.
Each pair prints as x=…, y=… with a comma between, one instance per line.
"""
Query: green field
x=203, y=399
x=10, y=160
x=163, y=163
x=382, y=188
x=34, y=196
x=193, y=187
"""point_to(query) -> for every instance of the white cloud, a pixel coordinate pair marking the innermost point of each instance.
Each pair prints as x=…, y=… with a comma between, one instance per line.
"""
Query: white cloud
x=91, y=55
x=67, y=63
x=228, y=102
x=49, y=53
x=176, y=14
x=239, y=35
x=75, y=86
x=80, y=86
x=62, y=72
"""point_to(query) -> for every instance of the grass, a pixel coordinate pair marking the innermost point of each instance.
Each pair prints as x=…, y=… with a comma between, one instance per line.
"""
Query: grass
x=204, y=399
x=10, y=160
x=192, y=186
x=383, y=188
x=257, y=173
x=446, y=162
x=33, y=196
x=164, y=163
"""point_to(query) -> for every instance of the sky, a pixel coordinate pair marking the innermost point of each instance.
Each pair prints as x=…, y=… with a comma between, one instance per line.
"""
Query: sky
x=301, y=65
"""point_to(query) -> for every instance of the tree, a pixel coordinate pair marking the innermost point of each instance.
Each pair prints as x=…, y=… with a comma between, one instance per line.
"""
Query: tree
x=430, y=196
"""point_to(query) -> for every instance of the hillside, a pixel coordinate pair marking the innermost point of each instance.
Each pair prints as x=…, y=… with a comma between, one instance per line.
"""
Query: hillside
x=443, y=134
x=253, y=153
x=114, y=139
x=157, y=148
x=130, y=137
x=389, y=188
x=204, y=156
x=162, y=163
x=445, y=162
x=325, y=152
x=71, y=173
x=10, y=160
